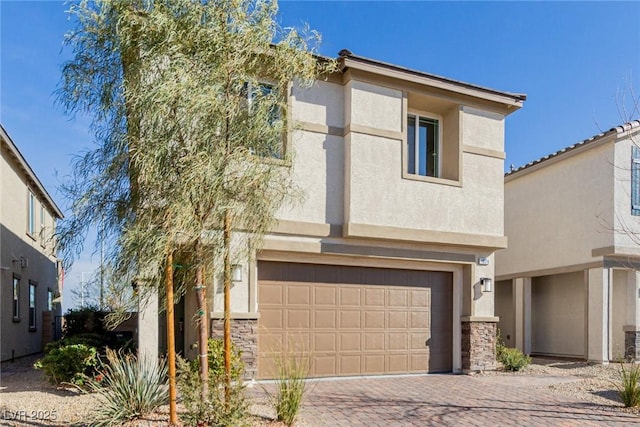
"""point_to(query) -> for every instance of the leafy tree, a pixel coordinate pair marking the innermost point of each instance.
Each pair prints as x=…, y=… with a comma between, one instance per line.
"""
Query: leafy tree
x=188, y=101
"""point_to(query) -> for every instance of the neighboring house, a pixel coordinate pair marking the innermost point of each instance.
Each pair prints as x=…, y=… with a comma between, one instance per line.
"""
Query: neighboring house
x=28, y=264
x=569, y=283
x=379, y=269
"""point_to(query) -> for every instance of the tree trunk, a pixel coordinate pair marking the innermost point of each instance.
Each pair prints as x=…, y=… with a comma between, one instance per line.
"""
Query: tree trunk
x=203, y=326
x=171, y=346
x=227, y=307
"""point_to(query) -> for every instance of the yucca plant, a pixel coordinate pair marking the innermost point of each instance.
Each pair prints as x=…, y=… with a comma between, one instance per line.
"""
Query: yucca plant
x=629, y=385
x=128, y=388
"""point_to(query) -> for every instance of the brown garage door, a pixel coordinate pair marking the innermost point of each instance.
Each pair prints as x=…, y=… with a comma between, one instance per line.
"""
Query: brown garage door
x=355, y=320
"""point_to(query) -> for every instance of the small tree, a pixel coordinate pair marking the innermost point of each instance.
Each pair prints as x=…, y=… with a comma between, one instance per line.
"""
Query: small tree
x=189, y=107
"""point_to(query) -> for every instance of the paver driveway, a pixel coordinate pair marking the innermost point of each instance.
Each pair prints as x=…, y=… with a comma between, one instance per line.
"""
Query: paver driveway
x=453, y=400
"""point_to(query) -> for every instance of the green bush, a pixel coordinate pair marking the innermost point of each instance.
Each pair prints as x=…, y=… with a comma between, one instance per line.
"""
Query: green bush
x=292, y=371
x=128, y=388
x=214, y=410
x=513, y=359
x=629, y=385
x=72, y=363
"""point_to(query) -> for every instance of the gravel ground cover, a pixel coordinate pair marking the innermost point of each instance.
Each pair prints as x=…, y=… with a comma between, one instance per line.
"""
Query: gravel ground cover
x=26, y=399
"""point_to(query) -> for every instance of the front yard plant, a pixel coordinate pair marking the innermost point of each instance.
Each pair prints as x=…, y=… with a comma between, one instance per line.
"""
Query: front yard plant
x=215, y=409
x=291, y=381
x=128, y=388
x=68, y=363
x=628, y=385
x=511, y=359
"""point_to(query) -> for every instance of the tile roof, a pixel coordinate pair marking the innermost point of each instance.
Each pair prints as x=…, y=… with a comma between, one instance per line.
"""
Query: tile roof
x=633, y=124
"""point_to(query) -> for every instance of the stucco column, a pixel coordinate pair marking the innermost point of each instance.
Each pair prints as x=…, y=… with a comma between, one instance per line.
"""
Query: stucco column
x=598, y=321
x=522, y=313
x=632, y=316
x=148, y=326
x=526, y=308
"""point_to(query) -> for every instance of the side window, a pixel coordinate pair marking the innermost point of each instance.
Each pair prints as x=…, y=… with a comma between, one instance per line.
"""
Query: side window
x=262, y=102
x=32, y=306
x=49, y=299
x=635, y=181
x=31, y=215
x=423, y=146
x=42, y=227
x=16, y=299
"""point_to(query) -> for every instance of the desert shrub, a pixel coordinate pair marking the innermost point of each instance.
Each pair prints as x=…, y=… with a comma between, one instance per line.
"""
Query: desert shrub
x=513, y=359
x=214, y=410
x=128, y=388
x=72, y=363
x=629, y=385
x=291, y=373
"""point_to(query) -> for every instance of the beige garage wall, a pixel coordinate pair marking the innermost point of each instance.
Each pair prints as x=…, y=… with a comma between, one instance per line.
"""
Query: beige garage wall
x=504, y=309
x=558, y=314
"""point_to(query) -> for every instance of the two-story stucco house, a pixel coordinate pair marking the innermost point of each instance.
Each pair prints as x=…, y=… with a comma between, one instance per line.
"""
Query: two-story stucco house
x=28, y=264
x=379, y=269
x=569, y=283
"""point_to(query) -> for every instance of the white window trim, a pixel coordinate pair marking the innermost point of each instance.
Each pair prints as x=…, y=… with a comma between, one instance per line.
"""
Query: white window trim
x=31, y=214
x=432, y=116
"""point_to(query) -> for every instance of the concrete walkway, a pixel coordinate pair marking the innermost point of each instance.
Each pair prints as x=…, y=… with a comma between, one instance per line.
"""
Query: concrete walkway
x=453, y=400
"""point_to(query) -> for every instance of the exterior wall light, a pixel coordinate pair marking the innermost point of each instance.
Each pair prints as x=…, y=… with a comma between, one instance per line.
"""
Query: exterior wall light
x=487, y=284
x=236, y=273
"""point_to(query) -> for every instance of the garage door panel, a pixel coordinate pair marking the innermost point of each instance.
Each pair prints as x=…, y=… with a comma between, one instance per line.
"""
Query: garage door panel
x=350, y=341
x=397, y=298
x=374, y=363
x=351, y=365
x=272, y=293
x=298, y=319
x=324, y=342
x=397, y=319
x=419, y=320
x=298, y=295
x=374, y=341
x=324, y=295
x=324, y=365
x=420, y=298
x=325, y=319
x=350, y=319
x=397, y=341
x=397, y=363
x=355, y=320
x=374, y=298
x=350, y=296
x=374, y=319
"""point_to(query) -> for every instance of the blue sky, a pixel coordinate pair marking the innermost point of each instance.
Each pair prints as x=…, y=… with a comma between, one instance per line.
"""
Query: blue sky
x=574, y=60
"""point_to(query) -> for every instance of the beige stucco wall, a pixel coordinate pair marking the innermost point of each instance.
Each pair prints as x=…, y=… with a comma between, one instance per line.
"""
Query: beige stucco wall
x=505, y=310
x=558, y=314
x=618, y=313
x=555, y=215
x=15, y=244
x=624, y=225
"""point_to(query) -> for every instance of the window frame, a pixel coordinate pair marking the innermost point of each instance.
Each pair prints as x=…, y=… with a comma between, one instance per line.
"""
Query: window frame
x=282, y=115
x=31, y=214
x=49, y=299
x=33, y=306
x=42, y=226
x=15, y=298
x=418, y=114
x=635, y=181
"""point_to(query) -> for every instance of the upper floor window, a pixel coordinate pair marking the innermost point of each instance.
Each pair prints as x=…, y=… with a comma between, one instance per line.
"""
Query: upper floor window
x=31, y=215
x=16, y=298
x=635, y=180
x=42, y=226
x=262, y=102
x=423, y=145
x=32, y=306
